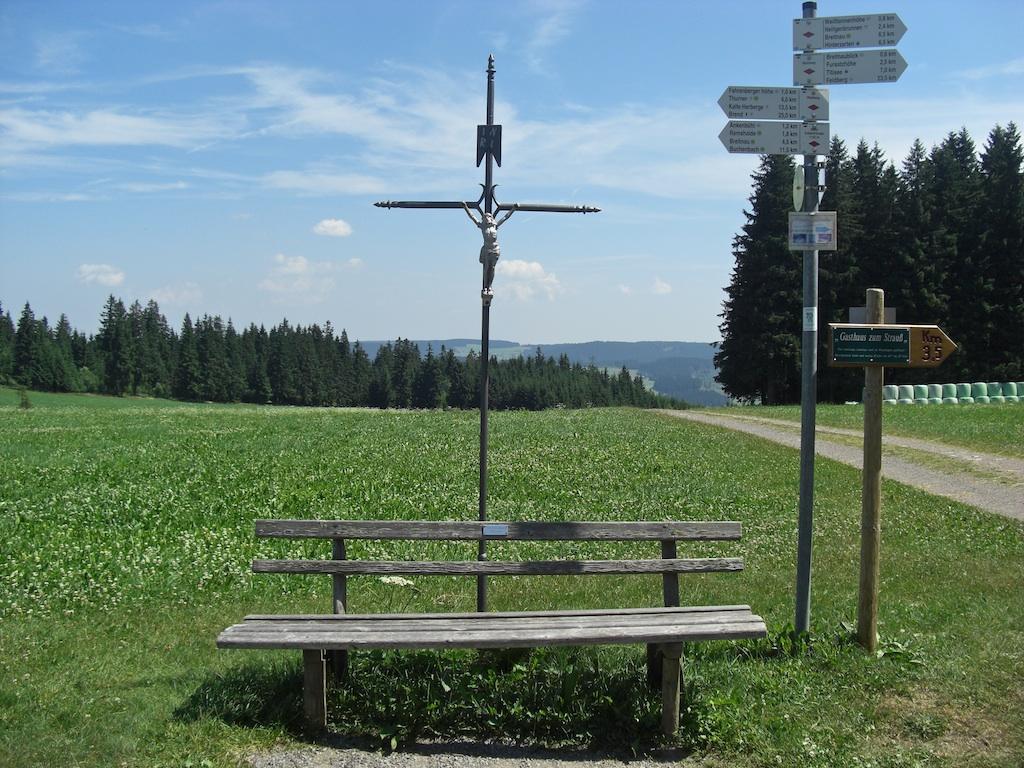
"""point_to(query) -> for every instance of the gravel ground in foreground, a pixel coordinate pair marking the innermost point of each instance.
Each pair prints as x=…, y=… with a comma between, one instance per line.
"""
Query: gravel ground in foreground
x=457, y=755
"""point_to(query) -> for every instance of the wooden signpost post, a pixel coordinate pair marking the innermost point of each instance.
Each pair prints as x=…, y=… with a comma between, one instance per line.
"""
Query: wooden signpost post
x=874, y=345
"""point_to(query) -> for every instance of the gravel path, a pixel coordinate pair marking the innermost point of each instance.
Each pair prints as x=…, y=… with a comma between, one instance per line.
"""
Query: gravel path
x=1005, y=499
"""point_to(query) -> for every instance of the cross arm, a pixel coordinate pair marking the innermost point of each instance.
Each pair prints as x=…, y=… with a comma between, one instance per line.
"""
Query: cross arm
x=545, y=208
x=428, y=204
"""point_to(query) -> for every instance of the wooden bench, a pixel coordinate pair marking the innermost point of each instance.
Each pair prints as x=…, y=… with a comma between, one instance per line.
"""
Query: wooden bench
x=326, y=639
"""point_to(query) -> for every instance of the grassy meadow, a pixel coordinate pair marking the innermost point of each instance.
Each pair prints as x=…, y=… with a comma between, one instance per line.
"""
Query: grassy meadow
x=993, y=427
x=126, y=527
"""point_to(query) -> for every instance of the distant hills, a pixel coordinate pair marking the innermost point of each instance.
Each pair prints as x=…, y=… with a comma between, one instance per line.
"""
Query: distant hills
x=683, y=369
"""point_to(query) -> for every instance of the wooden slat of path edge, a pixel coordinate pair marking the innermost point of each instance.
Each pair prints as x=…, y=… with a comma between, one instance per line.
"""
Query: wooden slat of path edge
x=507, y=568
x=475, y=615
x=460, y=626
x=522, y=531
x=499, y=639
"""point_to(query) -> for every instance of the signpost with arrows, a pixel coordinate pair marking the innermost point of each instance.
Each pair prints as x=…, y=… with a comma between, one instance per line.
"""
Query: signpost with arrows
x=876, y=346
x=874, y=30
x=793, y=121
x=740, y=102
x=488, y=151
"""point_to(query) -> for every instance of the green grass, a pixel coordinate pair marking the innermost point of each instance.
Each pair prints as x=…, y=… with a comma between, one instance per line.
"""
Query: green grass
x=127, y=534
x=995, y=428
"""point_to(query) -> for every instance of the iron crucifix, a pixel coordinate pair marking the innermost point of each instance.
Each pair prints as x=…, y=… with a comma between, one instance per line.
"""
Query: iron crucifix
x=488, y=150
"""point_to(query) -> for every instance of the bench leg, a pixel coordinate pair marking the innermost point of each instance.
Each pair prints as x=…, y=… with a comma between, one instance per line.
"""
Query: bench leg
x=653, y=666
x=671, y=678
x=314, y=688
x=338, y=663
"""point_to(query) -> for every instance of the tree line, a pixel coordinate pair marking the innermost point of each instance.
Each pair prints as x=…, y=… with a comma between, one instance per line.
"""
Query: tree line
x=943, y=235
x=136, y=352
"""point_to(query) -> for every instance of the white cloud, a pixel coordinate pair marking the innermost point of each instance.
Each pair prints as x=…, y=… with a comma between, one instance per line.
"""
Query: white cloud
x=333, y=228
x=296, y=278
x=100, y=274
x=525, y=279
x=660, y=287
x=625, y=290
x=177, y=295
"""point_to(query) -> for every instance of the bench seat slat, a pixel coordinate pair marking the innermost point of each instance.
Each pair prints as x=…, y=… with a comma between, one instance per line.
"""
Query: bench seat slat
x=269, y=636
x=412, y=624
x=355, y=629
x=502, y=568
x=497, y=614
x=522, y=531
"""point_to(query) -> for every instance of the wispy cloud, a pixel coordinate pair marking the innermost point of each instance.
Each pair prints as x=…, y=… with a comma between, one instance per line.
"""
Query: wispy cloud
x=406, y=134
x=553, y=26
x=333, y=228
x=625, y=290
x=1010, y=68
x=320, y=183
x=143, y=186
x=152, y=31
x=660, y=287
x=109, y=127
x=100, y=274
x=60, y=53
x=525, y=279
x=50, y=197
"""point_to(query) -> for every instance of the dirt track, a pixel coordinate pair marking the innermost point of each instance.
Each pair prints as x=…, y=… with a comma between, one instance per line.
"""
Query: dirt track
x=1003, y=496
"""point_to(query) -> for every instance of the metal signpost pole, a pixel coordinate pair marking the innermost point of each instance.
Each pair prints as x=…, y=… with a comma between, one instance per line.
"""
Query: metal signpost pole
x=488, y=149
x=808, y=395
x=763, y=120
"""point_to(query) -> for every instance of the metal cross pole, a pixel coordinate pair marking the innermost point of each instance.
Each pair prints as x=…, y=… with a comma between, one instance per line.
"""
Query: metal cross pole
x=808, y=394
x=488, y=149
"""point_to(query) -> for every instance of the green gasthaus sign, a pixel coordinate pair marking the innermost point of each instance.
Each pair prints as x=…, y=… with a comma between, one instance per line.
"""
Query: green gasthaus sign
x=870, y=345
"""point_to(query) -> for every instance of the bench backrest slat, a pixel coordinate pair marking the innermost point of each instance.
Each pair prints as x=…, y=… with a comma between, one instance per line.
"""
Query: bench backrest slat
x=498, y=531
x=499, y=568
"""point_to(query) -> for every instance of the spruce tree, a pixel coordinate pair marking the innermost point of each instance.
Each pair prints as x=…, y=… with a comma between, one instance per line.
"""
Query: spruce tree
x=6, y=347
x=759, y=356
x=840, y=284
x=115, y=343
x=187, y=376
x=1002, y=193
x=26, y=352
x=957, y=258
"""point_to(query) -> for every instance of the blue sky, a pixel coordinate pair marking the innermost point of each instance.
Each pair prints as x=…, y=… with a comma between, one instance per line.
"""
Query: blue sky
x=223, y=157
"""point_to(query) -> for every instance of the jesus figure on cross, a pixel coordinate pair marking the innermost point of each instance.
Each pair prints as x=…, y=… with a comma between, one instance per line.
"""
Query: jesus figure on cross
x=489, y=251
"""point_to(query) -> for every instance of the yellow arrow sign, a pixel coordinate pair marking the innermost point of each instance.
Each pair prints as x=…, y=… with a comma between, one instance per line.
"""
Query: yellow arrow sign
x=929, y=346
x=853, y=345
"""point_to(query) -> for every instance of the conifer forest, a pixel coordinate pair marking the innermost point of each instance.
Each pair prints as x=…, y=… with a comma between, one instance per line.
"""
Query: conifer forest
x=136, y=352
x=943, y=235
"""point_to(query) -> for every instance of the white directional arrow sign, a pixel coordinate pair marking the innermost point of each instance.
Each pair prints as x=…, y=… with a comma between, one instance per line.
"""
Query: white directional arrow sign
x=771, y=137
x=844, y=67
x=746, y=102
x=870, y=31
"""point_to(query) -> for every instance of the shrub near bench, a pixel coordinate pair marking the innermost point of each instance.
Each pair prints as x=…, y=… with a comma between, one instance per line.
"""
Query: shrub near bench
x=323, y=638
